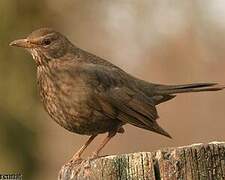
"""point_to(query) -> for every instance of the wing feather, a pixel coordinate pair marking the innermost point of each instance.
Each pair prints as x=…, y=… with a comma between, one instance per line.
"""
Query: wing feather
x=116, y=98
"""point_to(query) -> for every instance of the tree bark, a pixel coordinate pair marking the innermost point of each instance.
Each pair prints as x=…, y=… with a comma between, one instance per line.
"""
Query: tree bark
x=197, y=162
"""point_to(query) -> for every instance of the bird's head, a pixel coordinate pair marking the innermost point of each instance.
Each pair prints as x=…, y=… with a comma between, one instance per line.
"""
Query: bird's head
x=44, y=44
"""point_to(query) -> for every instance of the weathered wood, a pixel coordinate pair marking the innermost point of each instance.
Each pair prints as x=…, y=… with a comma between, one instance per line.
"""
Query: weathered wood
x=197, y=162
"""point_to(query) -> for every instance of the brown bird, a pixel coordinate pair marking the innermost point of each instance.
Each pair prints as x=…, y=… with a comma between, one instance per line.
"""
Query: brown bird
x=88, y=95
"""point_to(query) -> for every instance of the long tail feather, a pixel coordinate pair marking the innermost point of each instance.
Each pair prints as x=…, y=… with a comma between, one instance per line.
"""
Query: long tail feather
x=197, y=87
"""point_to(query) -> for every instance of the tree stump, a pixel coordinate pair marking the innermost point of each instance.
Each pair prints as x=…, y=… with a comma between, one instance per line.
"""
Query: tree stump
x=197, y=162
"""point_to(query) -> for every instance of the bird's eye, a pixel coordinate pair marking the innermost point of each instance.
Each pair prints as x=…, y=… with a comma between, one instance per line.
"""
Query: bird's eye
x=46, y=42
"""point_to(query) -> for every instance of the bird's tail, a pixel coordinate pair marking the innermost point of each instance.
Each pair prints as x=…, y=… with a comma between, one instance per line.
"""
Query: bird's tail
x=185, y=88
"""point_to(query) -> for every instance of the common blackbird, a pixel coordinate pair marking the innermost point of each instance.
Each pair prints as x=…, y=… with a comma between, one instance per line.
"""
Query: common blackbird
x=88, y=95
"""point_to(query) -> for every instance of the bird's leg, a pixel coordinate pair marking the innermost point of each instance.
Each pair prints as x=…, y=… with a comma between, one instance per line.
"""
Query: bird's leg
x=77, y=155
x=105, y=141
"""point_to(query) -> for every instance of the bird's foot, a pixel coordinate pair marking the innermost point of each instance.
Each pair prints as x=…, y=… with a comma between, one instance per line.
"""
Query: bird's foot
x=74, y=164
x=75, y=160
x=93, y=156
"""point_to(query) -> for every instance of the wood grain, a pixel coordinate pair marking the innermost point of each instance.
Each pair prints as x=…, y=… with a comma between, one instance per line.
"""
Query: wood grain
x=194, y=162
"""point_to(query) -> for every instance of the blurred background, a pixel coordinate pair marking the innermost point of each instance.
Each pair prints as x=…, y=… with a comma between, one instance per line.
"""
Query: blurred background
x=169, y=42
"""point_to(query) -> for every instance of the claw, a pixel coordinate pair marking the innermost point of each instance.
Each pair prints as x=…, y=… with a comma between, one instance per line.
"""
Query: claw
x=94, y=156
x=75, y=159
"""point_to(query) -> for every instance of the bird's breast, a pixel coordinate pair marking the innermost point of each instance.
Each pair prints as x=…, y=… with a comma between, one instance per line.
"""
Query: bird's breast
x=64, y=98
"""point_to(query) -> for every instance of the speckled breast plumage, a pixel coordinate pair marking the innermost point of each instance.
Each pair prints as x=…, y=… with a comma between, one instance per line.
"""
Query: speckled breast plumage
x=66, y=101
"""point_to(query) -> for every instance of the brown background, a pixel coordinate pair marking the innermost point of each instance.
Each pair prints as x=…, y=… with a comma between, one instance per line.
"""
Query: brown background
x=169, y=42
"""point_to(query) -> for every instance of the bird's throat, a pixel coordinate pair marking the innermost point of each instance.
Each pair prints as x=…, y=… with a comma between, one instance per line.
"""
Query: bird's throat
x=38, y=57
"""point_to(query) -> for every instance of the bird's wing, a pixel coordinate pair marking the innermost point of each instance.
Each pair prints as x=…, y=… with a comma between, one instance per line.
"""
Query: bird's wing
x=114, y=96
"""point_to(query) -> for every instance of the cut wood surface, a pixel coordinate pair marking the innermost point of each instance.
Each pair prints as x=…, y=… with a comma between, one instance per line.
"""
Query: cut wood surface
x=196, y=161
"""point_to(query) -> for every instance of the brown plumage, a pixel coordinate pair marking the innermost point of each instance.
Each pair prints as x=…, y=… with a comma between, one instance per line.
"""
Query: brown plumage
x=88, y=95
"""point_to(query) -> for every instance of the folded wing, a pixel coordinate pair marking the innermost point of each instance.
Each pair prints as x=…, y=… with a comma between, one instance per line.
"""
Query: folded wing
x=117, y=99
